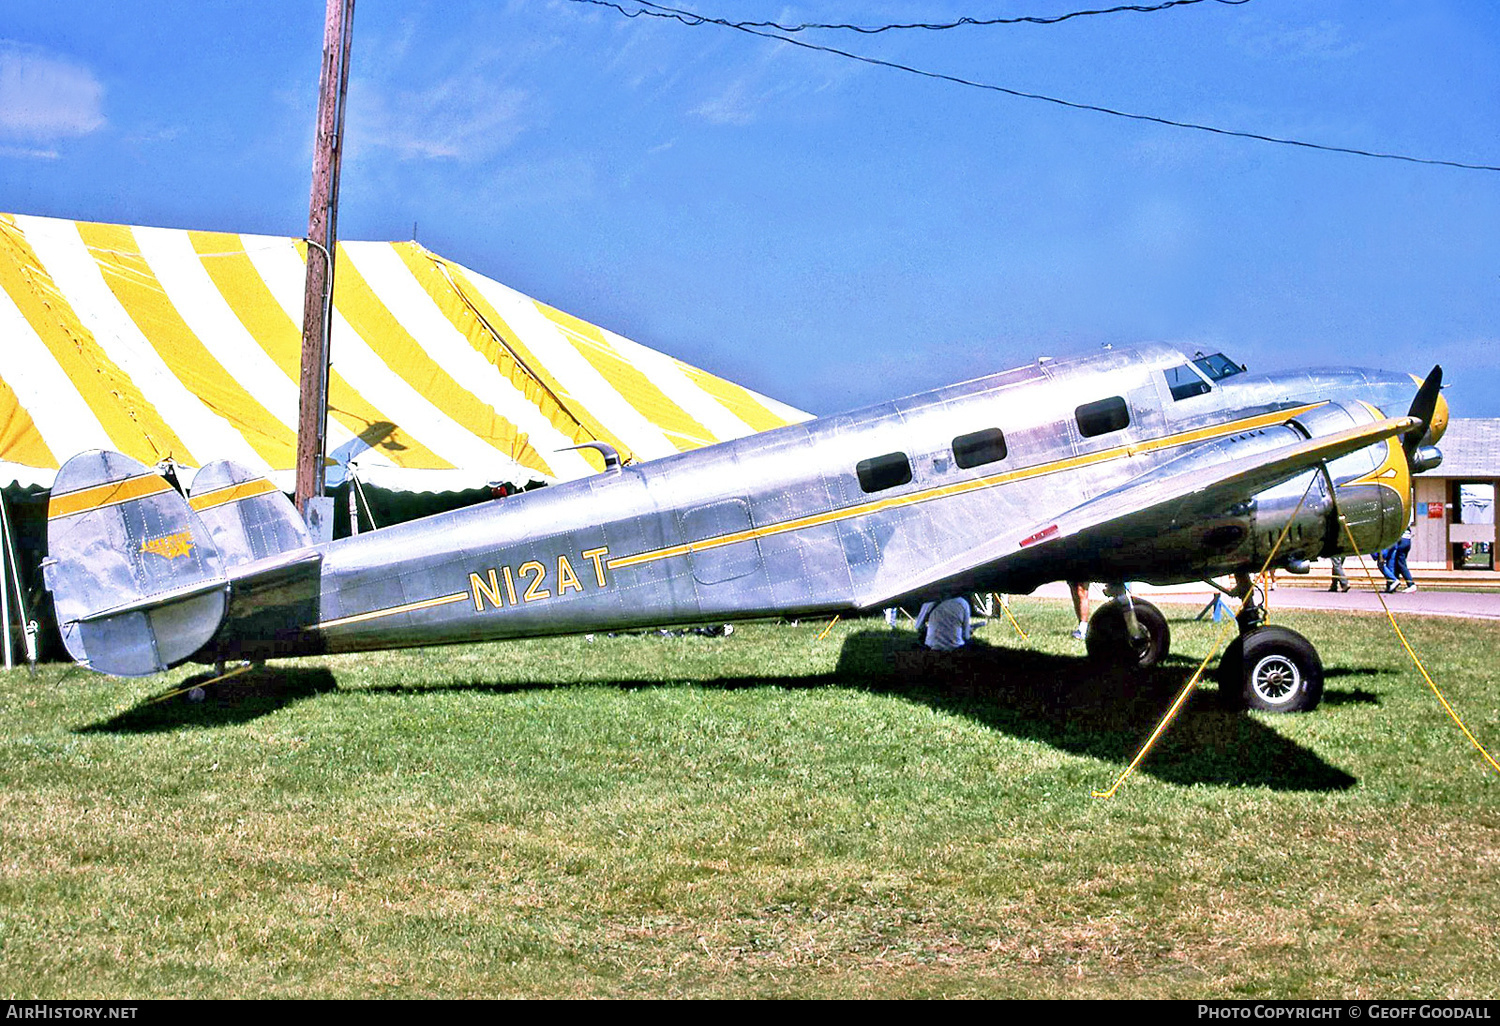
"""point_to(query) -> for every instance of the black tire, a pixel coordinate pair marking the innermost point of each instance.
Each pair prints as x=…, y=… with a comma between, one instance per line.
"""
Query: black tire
x=1279, y=671
x=1230, y=673
x=1108, y=641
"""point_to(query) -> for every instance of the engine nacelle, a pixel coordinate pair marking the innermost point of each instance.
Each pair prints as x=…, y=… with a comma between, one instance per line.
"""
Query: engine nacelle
x=1370, y=489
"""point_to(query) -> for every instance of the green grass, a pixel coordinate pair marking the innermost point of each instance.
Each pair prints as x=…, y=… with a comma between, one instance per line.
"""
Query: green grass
x=766, y=814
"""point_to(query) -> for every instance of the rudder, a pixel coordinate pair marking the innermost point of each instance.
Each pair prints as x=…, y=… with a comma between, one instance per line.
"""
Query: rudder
x=247, y=516
x=137, y=581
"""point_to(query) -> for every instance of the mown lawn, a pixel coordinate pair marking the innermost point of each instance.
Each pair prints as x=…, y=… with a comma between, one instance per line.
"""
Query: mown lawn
x=764, y=814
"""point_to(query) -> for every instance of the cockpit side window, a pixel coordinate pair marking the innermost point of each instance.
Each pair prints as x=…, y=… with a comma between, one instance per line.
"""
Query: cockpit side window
x=1216, y=365
x=1184, y=383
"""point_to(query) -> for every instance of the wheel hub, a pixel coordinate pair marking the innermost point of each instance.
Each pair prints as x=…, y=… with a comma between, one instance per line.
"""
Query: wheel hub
x=1276, y=679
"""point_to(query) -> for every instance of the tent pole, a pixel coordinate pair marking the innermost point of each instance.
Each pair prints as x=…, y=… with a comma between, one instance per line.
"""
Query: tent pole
x=6, y=558
x=5, y=603
x=353, y=506
x=28, y=625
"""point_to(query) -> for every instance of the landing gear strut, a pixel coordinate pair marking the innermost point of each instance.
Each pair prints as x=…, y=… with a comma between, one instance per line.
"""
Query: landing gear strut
x=1127, y=631
x=1268, y=666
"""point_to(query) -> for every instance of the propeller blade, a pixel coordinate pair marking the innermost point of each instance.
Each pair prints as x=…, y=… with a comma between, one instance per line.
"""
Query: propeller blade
x=1422, y=408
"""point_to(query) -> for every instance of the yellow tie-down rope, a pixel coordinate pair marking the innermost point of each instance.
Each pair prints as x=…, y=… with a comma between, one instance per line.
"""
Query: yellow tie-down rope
x=1409, y=651
x=1187, y=689
x=192, y=687
x=1005, y=605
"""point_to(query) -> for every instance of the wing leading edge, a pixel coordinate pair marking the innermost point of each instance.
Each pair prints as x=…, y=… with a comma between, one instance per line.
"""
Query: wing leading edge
x=1178, y=492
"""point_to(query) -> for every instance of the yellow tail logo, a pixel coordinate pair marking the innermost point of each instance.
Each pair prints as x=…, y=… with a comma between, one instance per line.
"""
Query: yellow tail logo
x=170, y=546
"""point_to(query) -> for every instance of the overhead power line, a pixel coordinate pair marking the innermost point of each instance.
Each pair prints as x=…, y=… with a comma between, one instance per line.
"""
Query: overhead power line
x=688, y=18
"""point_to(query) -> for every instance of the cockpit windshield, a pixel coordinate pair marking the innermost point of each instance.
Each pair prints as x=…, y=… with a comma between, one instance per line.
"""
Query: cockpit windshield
x=1216, y=365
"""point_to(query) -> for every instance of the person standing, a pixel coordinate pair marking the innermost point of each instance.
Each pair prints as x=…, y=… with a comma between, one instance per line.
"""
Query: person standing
x=1340, y=580
x=1399, y=552
x=1079, y=592
x=1381, y=560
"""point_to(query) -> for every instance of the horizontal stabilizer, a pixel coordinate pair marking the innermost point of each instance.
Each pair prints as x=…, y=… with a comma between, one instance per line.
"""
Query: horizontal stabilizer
x=136, y=579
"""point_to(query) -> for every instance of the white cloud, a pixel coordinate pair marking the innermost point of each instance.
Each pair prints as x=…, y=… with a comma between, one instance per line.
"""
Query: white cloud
x=464, y=117
x=754, y=91
x=768, y=79
x=46, y=97
x=738, y=104
x=29, y=153
x=1325, y=40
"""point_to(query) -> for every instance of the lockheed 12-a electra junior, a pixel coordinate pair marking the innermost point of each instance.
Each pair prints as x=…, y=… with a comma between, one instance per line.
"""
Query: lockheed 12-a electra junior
x=1140, y=464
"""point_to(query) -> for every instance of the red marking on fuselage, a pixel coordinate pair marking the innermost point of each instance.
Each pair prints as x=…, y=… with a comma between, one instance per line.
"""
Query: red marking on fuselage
x=1045, y=532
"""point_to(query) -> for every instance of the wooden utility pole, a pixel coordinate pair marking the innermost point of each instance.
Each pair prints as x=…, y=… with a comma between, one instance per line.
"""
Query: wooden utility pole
x=322, y=229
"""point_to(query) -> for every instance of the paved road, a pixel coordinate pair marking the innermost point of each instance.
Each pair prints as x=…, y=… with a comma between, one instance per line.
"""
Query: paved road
x=1469, y=605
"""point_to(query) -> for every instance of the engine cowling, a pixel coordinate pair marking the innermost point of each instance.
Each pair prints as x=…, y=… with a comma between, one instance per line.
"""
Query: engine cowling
x=1370, y=489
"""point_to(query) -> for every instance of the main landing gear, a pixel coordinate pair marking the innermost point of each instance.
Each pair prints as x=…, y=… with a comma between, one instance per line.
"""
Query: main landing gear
x=1268, y=666
x=1127, y=631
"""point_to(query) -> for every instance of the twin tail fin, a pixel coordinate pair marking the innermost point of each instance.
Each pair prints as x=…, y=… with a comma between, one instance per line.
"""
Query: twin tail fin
x=140, y=574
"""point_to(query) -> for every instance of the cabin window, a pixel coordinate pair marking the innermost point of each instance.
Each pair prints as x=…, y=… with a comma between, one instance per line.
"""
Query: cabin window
x=978, y=448
x=881, y=472
x=1184, y=383
x=1102, y=417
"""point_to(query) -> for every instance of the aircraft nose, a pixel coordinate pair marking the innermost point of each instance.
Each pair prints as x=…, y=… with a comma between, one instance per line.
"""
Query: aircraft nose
x=1439, y=422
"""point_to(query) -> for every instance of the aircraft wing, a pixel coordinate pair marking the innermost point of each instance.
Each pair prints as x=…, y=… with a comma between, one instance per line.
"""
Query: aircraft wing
x=1175, y=493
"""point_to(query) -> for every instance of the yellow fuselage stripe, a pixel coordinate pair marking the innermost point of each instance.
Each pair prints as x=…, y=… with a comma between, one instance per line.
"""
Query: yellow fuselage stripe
x=231, y=493
x=962, y=487
x=863, y=509
x=111, y=494
x=441, y=600
x=1393, y=473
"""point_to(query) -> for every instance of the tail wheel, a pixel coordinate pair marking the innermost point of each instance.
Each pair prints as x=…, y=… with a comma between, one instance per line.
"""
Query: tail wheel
x=1274, y=669
x=1109, y=640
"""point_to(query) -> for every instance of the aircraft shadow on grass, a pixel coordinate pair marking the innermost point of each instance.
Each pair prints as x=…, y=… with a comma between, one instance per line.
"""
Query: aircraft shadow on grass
x=241, y=699
x=1062, y=701
x=1070, y=704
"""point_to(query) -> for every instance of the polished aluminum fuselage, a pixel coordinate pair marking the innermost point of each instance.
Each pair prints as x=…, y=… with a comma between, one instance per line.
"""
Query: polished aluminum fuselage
x=779, y=524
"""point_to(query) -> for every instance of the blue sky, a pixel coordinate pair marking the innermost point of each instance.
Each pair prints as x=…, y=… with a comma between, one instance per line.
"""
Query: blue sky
x=829, y=232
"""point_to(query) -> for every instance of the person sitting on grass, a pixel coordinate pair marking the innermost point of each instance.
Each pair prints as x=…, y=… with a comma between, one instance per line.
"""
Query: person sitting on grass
x=945, y=626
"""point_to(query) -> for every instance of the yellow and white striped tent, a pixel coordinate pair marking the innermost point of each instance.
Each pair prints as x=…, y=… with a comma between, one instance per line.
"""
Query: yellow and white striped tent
x=164, y=343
